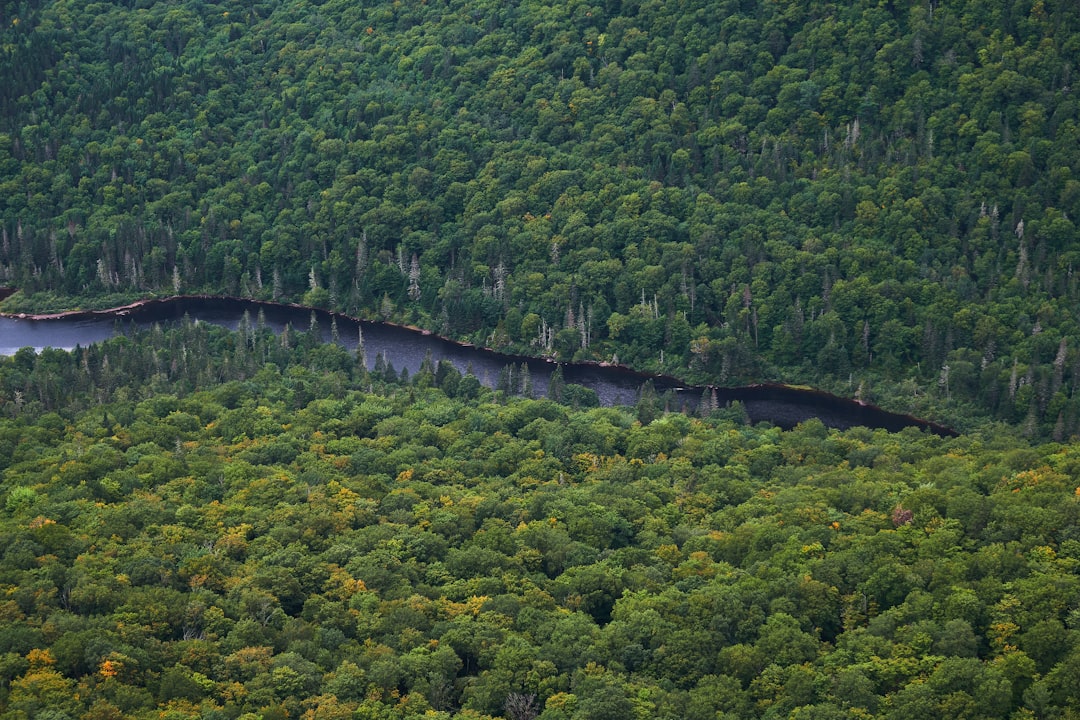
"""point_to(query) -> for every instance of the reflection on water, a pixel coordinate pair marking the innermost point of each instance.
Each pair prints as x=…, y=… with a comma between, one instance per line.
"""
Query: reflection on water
x=63, y=334
x=400, y=347
x=404, y=348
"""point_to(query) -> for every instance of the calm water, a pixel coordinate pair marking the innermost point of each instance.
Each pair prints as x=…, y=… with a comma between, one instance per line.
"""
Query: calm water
x=65, y=335
x=403, y=348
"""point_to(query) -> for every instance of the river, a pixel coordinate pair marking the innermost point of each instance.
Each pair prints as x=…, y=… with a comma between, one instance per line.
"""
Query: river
x=406, y=348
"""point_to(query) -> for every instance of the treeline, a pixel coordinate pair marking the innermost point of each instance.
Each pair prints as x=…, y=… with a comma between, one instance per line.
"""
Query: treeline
x=311, y=542
x=866, y=194
x=181, y=357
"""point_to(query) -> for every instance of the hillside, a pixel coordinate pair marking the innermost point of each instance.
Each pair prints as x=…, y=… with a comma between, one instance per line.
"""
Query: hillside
x=864, y=195
x=310, y=540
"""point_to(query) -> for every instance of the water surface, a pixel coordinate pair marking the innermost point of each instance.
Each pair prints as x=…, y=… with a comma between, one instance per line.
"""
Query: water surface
x=406, y=348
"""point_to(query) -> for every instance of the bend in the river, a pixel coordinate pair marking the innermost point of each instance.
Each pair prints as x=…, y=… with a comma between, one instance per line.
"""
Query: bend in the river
x=406, y=347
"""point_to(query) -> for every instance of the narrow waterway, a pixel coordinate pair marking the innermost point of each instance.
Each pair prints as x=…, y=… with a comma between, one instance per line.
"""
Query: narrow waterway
x=406, y=348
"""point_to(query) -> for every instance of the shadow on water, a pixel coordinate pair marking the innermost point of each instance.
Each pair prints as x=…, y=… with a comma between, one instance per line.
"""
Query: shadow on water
x=402, y=347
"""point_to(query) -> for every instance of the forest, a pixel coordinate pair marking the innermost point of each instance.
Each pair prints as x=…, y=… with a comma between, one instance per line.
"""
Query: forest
x=263, y=528
x=874, y=198
x=877, y=199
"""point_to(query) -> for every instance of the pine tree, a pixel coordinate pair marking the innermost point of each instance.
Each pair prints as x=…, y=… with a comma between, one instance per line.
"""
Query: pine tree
x=414, y=278
x=361, y=352
x=525, y=386
x=556, y=385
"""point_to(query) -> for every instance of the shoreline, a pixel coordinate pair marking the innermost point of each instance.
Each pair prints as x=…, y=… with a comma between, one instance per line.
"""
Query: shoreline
x=796, y=395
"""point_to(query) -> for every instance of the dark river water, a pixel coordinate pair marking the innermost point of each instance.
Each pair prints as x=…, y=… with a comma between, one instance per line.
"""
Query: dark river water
x=407, y=348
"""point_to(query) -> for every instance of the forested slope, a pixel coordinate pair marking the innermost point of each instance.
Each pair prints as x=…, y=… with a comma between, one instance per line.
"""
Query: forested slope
x=309, y=540
x=854, y=194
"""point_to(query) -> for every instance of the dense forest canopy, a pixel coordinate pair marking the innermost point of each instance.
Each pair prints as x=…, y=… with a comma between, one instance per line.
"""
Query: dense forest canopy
x=878, y=199
x=260, y=527
x=857, y=195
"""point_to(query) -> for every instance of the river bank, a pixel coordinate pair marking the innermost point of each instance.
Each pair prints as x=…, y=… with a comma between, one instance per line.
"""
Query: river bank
x=405, y=347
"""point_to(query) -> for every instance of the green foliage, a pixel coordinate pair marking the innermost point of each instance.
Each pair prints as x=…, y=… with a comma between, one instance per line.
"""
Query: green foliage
x=261, y=532
x=875, y=199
